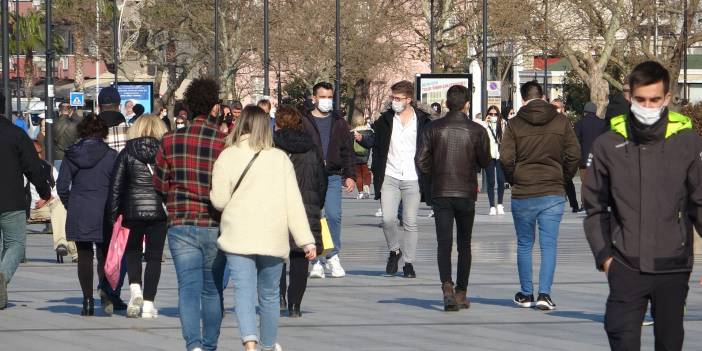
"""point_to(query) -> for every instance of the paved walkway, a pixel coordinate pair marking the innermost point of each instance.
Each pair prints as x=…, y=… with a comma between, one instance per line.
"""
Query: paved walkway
x=364, y=311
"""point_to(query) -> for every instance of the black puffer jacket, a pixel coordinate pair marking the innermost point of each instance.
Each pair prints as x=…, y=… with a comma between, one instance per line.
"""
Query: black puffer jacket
x=311, y=177
x=132, y=192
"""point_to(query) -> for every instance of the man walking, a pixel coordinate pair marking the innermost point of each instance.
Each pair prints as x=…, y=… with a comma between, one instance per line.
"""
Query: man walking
x=588, y=129
x=394, y=144
x=450, y=151
x=65, y=133
x=19, y=159
x=332, y=136
x=183, y=178
x=643, y=194
x=539, y=152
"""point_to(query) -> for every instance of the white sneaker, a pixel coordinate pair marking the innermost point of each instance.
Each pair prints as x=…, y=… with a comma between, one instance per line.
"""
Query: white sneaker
x=379, y=213
x=317, y=271
x=277, y=347
x=500, y=210
x=431, y=214
x=359, y=196
x=136, y=300
x=149, y=311
x=493, y=211
x=334, y=267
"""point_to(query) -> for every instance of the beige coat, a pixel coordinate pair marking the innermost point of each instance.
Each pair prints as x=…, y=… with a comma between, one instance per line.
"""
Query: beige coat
x=265, y=209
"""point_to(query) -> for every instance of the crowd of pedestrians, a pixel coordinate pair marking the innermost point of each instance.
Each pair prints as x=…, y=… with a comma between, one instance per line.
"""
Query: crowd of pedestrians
x=191, y=184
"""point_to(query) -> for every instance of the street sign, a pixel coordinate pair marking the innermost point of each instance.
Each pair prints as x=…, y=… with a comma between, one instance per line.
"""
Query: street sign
x=77, y=99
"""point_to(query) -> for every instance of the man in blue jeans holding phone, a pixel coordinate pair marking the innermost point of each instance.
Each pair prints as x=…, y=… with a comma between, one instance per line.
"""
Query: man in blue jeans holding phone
x=539, y=152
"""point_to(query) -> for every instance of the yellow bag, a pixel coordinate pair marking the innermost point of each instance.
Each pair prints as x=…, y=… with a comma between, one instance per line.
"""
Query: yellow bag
x=327, y=242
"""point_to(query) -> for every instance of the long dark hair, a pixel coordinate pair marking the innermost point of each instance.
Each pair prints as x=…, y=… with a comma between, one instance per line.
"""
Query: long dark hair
x=498, y=131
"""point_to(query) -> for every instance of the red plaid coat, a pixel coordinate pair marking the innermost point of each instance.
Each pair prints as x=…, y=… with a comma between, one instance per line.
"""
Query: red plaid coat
x=183, y=174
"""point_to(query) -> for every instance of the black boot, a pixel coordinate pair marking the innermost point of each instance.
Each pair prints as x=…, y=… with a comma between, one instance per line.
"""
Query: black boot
x=283, y=303
x=294, y=311
x=88, y=307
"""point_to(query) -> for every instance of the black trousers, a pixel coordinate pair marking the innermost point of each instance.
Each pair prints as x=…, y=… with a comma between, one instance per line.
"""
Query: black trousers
x=446, y=210
x=85, y=265
x=298, y=278
x=629, y=294
x=155, y=234
x=572, y=195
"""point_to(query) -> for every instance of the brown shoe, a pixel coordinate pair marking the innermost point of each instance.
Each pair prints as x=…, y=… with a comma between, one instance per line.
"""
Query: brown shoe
x=461, y=300
x=449, y=297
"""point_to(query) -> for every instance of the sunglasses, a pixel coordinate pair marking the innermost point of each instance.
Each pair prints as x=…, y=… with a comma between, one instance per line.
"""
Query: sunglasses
x=492, y=114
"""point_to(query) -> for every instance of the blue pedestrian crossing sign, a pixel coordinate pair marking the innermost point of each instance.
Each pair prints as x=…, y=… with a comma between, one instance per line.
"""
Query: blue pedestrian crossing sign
x=77, y=99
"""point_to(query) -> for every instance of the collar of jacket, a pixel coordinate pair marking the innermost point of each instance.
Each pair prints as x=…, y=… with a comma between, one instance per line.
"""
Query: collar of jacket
x=207, y=120
x=676, y=123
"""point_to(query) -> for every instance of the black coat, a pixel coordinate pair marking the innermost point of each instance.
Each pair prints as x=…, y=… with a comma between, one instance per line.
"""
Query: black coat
x=341, y=160
x=132, y=192
x=311, y=177
x=83, y=185
x=587, y=130
x=380, y=143
x=18, y=158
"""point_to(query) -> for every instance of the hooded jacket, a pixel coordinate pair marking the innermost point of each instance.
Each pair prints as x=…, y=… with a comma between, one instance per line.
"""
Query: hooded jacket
x=132, y=190
x=311, y=177
x=83, y=185
x=643, y=193
x=539, y=151
x=380, y=144
x=19, y=158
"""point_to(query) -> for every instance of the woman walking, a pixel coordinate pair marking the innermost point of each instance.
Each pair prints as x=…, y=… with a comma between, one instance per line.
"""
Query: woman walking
x=495, y=126
x=363, y=175
x=251, y=175
x=312, y=182
x=133, y=196
x=83, y=186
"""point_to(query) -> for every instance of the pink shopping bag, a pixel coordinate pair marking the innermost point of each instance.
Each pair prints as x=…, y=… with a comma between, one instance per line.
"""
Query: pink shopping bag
x=115, y=253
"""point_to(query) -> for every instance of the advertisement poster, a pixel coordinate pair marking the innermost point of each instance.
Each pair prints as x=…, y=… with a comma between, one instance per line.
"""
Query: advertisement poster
x=132, y=93
x=432, y=88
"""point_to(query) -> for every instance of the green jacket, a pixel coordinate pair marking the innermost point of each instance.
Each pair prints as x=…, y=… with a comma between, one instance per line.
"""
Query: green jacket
x=643, y=198
x=65, y=135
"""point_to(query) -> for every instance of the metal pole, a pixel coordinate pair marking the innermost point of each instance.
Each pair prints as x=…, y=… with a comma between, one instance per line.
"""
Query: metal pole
x=49, y=89
x=685, y=29
x=18, y=38
x=431, y=36
x=216, y=41
x=6, y=61
x=545, y=49
x=337, y=88
x=97, y=54
x=115, y=40
x=655, y=26
x=483, y=95
x=266, y=58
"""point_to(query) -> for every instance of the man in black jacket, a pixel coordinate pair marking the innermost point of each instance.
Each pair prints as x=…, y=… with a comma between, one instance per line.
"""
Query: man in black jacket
x=395, y=144
x=643, y=194
x=19, y=158
x=451, y=149
x=588, y=129
x=332, y=137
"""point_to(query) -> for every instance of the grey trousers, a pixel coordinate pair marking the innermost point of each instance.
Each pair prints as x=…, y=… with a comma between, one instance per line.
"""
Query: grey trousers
x=405, y=237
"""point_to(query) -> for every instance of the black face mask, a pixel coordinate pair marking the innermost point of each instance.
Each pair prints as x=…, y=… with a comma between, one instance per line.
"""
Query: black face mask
x=228, y=118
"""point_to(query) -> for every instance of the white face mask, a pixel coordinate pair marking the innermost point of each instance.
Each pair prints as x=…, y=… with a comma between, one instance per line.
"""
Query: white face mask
x=180, y=125
x=646, y=116
x=398, y=106
x=325, y=105
x=493, y=119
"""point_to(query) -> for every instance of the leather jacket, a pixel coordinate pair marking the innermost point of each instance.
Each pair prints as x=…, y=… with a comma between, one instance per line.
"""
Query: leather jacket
x=132, y=192
x=452, y=149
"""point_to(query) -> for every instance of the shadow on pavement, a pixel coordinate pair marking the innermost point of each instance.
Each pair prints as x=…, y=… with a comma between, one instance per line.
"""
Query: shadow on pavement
x=433, y=305
x=494, y=302
x=366, y=273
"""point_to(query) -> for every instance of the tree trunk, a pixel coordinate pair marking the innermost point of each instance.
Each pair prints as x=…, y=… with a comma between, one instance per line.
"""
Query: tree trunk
x=599, y=90
x=28, y=80
x=78, y=49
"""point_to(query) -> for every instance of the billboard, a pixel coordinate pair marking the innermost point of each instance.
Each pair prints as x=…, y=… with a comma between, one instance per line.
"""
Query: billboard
x=432, y=88
x=132, y=93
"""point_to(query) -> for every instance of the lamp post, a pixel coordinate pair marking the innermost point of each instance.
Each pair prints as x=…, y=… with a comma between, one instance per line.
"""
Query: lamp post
x=685, y=33
x=216, y=41
x=49, y=89
x=431, y=36
x=115, y=40
x=17, y=61
x=337, y=88
x=545, y=49
x=483, y=95
x=6, y=61
x=266, y=58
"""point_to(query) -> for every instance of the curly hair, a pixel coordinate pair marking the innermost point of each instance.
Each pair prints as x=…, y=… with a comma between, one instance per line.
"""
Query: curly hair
x=92, y=127
x=288, y=116
x=201, y=95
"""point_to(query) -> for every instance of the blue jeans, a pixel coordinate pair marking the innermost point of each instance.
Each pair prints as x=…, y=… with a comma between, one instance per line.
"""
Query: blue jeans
x=199, y=267
x=494, y=170
x=256, y=278
x=332, y=210
x=13, y=233
x=547, y=211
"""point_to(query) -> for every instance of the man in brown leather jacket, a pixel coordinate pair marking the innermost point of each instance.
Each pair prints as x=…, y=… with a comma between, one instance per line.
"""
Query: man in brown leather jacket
x=451, y=149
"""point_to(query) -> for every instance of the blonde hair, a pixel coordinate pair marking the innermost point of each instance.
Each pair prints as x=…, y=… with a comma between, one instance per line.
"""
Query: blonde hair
x=254, y=123
x=147, y=126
